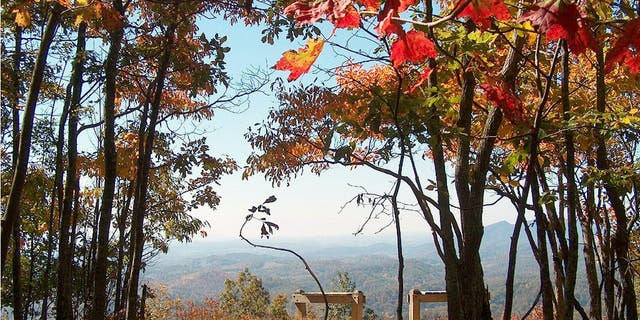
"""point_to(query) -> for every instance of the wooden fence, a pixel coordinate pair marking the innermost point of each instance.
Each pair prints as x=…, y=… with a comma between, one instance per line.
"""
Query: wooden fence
x=416, y=297
x=356, y=299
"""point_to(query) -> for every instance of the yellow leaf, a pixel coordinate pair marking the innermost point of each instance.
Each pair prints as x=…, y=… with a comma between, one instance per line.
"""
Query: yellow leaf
x=82, y=2
x=23, y=16
x=530, y=33
x=626, y=120
x=78, y=21
x=633, y=111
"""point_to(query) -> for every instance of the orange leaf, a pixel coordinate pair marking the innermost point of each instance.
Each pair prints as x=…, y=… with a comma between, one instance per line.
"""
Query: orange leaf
x=23, y=17
x=299, y=62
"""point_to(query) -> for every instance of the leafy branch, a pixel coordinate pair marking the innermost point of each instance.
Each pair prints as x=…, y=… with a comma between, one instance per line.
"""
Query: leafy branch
x=266, y=230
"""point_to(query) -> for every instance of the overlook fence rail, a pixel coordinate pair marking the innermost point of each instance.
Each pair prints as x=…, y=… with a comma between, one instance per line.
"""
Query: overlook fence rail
x=357, y=300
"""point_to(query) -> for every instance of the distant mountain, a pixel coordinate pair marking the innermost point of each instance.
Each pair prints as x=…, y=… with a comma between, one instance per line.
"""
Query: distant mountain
x=198, y=270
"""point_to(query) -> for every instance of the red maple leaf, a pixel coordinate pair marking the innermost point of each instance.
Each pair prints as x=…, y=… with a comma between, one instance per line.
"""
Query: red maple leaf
x=561, y=20
x=389, y=26
x=481, y=11
x=299, y=62
x=391, y=10
x=626, y=49
x=413, y=46
x=339, y=12
x=503, y=98
x=350, y=19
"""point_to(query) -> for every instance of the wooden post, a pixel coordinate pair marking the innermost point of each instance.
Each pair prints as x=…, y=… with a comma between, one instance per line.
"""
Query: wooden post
x=414, y=305
x=355, y=299
x=301, y=304
x=416, y=297
x=357, y=305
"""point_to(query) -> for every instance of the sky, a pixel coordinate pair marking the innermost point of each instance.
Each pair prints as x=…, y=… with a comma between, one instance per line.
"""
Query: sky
x=311, y=205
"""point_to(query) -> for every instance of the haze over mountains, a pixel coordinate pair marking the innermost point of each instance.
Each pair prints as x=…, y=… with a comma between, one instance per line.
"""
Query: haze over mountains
x=197, y=270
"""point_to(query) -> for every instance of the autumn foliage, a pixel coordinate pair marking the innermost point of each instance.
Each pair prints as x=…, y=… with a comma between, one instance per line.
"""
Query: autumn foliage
x=454, y=102
x=534, y=101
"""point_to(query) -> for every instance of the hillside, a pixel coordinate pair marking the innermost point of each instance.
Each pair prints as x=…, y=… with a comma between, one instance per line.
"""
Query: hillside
x=190, y=274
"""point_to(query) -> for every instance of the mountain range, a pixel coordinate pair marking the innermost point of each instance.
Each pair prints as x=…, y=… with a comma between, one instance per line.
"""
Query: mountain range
x=197, y=270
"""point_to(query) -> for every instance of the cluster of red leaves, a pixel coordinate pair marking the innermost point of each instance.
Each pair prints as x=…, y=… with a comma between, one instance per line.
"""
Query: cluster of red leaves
x=341, y=13
x=299, y=62
x=503, y=98
x=481, y=11
x=626, y=49
x=412, y=46
x=559, y=19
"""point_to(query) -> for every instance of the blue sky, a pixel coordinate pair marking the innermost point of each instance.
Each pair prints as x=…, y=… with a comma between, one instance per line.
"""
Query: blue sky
x=310, y=205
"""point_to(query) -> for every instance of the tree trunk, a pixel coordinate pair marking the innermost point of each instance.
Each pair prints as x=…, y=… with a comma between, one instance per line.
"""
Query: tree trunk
x=64, y=303
x=449, y=253
x=571, y=259
x=29, y=287
x=122, y=220
x=396, y=220
x=93, y=244
x=451, y=262
x=110, y=174
x=15, y=112
x=614, y=195
x=56, y=205
x=144, y=166
x=16, y=274
x=15, y=98
x=511, y=265
x=12, y=212
x=80, y=305
x=541, y=231
x=595, y=302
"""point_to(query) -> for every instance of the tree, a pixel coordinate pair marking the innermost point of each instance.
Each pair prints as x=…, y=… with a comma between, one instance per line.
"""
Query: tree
x=109, y=96
x=465, y=91
x=11, y=215
x=342, y=283
x=245, y=297
x=278, y=308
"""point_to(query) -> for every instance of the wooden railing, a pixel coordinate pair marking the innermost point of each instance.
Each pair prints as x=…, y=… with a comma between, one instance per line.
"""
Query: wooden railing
x=416, y=297
x=356, y=299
